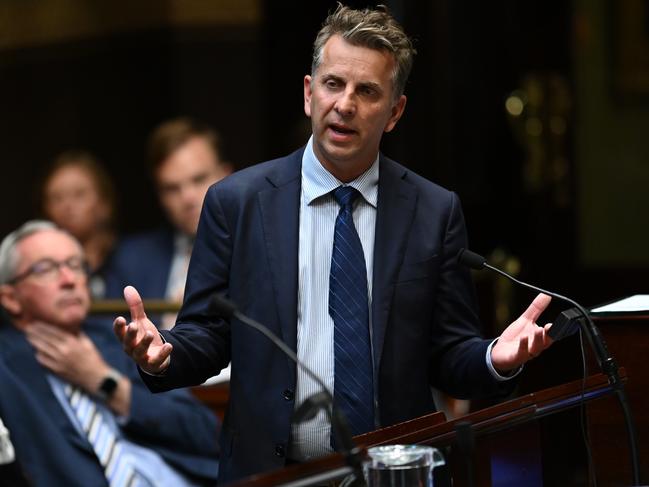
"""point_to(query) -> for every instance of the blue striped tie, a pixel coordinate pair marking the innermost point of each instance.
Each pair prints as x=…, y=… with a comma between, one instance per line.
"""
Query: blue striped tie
x=348, y=306
x=119, y=468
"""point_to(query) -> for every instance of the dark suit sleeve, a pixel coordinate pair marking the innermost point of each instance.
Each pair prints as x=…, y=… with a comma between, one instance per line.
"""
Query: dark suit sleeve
x=458, y=351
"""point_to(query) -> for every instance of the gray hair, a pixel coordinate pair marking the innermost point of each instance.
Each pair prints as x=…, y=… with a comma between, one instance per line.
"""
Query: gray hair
x=374, y=29
x=9, y=257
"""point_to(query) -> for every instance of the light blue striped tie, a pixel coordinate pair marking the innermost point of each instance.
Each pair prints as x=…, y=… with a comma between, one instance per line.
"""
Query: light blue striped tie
x=119, y=468
x=348, y=306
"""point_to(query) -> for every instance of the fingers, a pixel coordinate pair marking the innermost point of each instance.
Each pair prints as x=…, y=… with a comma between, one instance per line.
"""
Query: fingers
x=119, y=327
x=151, y=358
x=130, y=341
x=144, y=346
x=140, y=338
x=134, y=302
x=45, y=337
x=138, y=349
x=537, y=307
x=160, y=360
x=523, y=349
x=536, y=342
x=548, y=339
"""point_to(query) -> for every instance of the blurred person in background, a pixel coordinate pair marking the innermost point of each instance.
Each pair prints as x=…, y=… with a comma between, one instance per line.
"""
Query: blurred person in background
x=77, y=410
x=185, y=159
x=77, y=194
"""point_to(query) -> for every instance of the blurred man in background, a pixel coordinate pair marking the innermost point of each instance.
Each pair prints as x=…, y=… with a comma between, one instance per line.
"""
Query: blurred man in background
x=185, y=159
x=75, y=405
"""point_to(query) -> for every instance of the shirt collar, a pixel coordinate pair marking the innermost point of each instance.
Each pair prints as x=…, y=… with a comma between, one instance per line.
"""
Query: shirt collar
x=317, y=181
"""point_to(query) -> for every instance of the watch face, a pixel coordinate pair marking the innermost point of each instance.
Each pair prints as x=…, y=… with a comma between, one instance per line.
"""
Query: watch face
x=108, y=386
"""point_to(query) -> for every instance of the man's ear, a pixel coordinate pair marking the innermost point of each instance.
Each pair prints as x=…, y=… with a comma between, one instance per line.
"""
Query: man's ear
x=9, y=300
x=308, y=93
x=397, y=110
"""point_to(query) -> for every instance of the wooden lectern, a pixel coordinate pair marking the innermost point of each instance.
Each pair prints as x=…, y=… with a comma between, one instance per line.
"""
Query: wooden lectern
x=627, y=338
x=514, y=442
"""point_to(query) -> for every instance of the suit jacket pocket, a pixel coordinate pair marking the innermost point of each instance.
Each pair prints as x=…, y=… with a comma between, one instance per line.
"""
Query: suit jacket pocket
x=421, y=269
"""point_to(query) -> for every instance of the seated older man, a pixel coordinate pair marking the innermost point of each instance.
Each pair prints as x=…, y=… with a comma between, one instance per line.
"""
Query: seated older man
x=74, y=403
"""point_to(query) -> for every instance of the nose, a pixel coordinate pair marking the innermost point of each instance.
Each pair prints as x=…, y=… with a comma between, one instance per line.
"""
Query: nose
x=189, y=195
x=346, y=103
x=67, y=276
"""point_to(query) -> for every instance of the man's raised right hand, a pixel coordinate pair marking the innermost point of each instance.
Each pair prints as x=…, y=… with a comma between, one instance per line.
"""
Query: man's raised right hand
x=140, y=338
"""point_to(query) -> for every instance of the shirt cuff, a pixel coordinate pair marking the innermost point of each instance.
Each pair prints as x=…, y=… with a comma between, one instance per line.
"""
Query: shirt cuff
x=494, y=372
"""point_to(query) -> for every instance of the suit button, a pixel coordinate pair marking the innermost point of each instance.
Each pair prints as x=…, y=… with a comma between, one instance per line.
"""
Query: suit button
x=279, y=450
x=288, y=394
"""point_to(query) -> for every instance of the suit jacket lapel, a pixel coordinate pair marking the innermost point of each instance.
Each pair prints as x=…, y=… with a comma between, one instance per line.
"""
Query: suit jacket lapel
x=280, y=209
x=396, y=205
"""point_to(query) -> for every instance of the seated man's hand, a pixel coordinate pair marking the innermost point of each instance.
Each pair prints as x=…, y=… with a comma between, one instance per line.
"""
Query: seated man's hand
x=71, y=356
x=523, y=339
x=140, y=337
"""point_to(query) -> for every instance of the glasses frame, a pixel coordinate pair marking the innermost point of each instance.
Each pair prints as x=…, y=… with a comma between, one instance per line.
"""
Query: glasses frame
x=70, y=263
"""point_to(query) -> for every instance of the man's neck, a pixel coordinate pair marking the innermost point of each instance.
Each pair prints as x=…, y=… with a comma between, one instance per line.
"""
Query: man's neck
x=23, y=324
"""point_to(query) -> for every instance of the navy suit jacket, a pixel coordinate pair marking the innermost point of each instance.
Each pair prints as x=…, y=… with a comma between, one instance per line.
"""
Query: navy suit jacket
x=52, y=452
x=425, y=330
x=142, y=261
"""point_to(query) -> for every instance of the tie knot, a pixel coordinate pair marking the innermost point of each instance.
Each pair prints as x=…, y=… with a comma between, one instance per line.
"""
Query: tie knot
x=345, y=195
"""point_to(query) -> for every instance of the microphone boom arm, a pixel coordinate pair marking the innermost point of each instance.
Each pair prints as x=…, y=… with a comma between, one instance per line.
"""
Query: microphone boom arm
x=606, y=362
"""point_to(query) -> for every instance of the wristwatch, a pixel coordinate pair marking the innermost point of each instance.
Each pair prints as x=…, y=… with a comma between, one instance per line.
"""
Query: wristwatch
x=108, y=385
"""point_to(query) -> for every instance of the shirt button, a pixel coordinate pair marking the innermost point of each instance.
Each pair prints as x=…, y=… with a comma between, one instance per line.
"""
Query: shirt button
x=279, y=450
x=288, y=394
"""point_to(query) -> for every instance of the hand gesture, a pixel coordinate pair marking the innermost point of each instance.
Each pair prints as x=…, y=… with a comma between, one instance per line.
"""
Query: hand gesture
x=140, y=337
x=71, y=356
x=523, y=339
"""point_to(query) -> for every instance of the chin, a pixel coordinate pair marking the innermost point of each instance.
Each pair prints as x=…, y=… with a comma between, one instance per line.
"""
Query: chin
x=72, y=323
x=73, y=316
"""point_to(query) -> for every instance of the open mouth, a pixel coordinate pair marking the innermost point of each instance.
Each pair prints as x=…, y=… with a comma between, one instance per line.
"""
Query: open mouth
x=341, y=129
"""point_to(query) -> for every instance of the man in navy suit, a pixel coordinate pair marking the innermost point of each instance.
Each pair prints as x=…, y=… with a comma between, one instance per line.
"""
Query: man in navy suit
x=266, y=240
x=184, y=157
x=74, y=403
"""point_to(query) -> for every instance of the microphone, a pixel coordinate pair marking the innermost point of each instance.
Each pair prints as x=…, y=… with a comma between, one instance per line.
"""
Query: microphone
x=309, y=408
x=606, y=362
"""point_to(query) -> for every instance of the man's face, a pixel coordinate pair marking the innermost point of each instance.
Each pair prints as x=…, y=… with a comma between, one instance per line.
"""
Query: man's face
x=350, y=102
x=184, y=178
x=59, y=297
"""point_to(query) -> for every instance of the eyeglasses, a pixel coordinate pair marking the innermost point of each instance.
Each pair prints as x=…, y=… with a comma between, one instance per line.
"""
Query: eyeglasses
x=50, y=269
